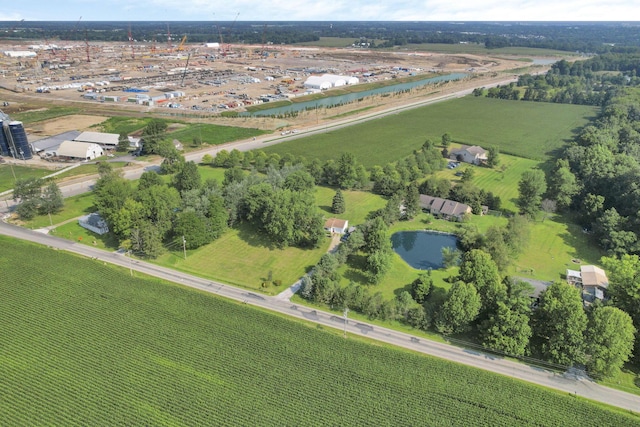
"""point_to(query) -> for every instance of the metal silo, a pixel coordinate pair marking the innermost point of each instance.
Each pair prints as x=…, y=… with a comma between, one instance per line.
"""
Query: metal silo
x=19, y=145
x=4, y=141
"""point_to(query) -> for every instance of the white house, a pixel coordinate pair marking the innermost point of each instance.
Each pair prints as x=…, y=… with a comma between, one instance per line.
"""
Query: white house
x=475, y=154
x=94, y=222
x=79, y=150
x=335, y=225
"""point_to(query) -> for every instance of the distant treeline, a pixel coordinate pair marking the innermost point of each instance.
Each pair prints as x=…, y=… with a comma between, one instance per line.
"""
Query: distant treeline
x=568, y=36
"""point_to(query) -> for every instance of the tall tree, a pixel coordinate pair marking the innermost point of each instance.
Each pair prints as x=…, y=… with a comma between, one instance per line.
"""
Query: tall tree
x=153, y=134
x=52, y=200
x=478, y=268
x=624, y=287
x=493, y=156
x=446, y=140
x=347, y=171
x=459, y=310
x=123, y=143
x=563, y=186
x=28, y=191
x=507, y=328
x=560, y=323
x=188, y=178
x=412, y=201
x=532, y=186
x=610, y=338
x=338, y=205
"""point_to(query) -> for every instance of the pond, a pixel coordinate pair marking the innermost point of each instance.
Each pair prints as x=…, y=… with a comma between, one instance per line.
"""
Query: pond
x=422, y=249
x=351, y=97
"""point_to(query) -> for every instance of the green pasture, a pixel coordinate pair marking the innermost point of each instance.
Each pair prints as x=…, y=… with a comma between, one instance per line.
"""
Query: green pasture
x=10, y=172
x=532, y=130
x=243, y=256
x=212, y=134
x=99, y=347
x=45, y=114
x=209, y=134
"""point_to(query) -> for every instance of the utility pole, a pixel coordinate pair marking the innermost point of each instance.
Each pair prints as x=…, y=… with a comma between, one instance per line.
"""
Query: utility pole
x=344, y=313
x=130, y=262
x=184, y=247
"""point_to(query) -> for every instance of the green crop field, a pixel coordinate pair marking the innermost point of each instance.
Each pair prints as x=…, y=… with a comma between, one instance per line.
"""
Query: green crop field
x=99, y=347
x=527, y=129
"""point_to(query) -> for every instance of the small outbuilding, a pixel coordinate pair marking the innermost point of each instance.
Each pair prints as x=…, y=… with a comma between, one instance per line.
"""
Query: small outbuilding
x=335, y=225
x=94, y=222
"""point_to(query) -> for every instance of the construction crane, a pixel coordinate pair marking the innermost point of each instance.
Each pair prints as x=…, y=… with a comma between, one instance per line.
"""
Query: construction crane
x=169, y=46
x=184, y=73
x=71, y=36
x=226, y=48
x=133, y=53
x=180, y=47
x=86, y=43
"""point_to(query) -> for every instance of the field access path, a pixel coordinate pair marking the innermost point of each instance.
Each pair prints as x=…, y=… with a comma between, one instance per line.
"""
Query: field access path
x=579, y=386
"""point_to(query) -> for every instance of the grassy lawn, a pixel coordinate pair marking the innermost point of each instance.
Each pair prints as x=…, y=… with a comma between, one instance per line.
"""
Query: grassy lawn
x=74, y=207
x=100, y=347
x=358, y=204
x=478, y=48
x=90, y=169
x=73, y=231
x=244, y=257
x=207, y=172
x=554, y=244
x=7, y=181
x=513, y=126
x=501, y=181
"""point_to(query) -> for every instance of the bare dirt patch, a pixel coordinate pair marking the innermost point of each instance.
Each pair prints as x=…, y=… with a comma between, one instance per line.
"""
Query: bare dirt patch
x=58, y=125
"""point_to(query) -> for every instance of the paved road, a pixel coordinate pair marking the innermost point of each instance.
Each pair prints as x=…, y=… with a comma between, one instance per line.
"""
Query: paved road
x=567, y=383
x=74, y=187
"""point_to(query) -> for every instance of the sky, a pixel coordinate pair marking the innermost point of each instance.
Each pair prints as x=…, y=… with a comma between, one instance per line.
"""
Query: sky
x=315, y=10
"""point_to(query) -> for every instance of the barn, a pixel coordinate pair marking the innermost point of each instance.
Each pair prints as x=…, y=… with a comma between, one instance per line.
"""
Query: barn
x=79, y=150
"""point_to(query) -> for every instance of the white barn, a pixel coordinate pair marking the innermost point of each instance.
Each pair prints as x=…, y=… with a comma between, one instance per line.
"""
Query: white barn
x=79, y=150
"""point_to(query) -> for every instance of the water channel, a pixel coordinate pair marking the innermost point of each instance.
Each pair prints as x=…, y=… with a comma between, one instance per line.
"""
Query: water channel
x=422, y=249
x=351, y=97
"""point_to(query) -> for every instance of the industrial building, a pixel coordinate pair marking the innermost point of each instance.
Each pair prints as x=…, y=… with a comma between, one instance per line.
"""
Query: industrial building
x=327, y=81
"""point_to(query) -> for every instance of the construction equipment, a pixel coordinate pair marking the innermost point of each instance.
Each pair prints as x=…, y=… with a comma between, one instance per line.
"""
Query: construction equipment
x=180, y=47
x=225, y=49
x=133, y=53
x=184, y=73
x=169, y=46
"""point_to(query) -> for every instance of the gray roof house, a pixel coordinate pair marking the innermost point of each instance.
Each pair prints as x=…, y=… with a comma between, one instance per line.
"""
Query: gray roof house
x=474, y=155
x=444, y=208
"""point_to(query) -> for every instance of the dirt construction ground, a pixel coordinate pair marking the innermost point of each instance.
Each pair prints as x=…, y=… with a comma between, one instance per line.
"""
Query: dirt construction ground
x=209, y=80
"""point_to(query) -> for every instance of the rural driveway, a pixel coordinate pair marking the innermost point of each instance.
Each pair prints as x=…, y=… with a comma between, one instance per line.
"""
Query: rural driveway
x=566, y=383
